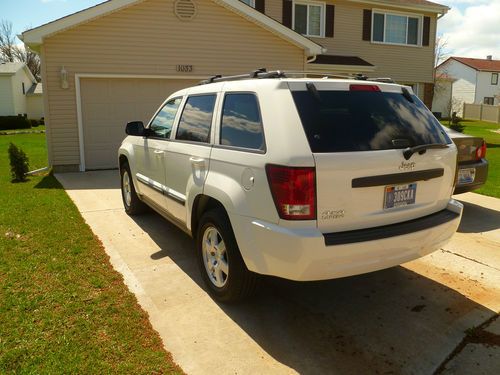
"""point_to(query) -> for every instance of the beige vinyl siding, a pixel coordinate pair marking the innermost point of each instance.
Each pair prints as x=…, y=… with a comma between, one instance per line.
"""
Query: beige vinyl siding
x=148, y=39
x=402, y=63
x=6, y=101
x=17, y=90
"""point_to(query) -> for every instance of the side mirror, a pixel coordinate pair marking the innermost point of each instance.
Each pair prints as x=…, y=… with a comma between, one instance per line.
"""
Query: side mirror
x=135, y=128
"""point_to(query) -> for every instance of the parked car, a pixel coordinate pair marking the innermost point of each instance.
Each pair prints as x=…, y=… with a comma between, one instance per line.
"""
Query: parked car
x=472, y=165
x=300, y=178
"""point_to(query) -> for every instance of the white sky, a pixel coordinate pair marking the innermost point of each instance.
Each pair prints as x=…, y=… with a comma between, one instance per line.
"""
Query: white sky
x=471, y=28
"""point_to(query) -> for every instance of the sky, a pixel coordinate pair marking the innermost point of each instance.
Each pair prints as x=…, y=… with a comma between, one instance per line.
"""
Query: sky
x=471, y=28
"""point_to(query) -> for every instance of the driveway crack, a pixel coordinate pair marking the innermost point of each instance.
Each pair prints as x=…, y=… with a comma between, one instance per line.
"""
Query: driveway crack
x=471, y=259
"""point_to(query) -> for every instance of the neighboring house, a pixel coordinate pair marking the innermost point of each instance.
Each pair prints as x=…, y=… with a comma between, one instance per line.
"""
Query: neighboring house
x=117, y=61
x=474, y=81
x=20, y=94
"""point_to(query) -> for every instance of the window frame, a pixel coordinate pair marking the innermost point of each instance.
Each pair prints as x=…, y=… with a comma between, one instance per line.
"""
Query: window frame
x=420, y=30
x=174, y=123
x=322, y=24
x=489, y=97
x=215, y=111
x=494, y=82
x=218, y=143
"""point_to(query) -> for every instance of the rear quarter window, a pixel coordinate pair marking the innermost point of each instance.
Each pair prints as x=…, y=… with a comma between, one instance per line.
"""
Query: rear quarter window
x=241, y=124
x=343, y=121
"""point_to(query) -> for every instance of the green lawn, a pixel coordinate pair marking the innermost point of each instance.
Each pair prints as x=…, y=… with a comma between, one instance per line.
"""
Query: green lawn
x=63, y=309
x=14, y=131
x=485, y=130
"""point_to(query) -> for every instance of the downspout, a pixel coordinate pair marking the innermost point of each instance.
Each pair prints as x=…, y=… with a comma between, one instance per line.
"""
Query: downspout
x=313, y=58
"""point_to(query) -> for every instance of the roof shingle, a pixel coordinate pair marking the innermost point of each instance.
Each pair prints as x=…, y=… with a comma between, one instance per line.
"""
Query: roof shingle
x=479, y=64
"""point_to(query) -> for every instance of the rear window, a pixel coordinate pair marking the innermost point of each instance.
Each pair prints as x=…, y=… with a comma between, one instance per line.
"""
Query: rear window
x=342, y=121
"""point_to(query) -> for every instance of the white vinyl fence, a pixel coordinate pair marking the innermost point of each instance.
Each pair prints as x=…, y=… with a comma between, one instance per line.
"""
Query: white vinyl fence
x=483, y=112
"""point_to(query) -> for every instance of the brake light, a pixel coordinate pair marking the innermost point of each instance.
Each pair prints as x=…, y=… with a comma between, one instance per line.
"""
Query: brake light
x=481, y=151
x=294, y=191
x=364, y=88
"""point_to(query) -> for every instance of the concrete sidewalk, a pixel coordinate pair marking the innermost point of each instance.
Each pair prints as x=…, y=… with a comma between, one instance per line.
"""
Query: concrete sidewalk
x=405, y=320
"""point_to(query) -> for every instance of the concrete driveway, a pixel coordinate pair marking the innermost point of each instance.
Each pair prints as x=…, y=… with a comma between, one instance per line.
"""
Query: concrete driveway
x=410, y=319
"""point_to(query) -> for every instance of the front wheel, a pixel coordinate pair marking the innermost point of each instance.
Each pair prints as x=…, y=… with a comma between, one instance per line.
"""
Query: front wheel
x=133, y=205
x=219, y=259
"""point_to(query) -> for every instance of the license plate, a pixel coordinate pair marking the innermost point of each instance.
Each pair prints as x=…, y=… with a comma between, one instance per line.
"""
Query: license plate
x=400, y=195
x=466, y=175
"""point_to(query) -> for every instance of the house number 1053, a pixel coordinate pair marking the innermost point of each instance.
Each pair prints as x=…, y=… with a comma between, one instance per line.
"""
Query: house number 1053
x=184, y=68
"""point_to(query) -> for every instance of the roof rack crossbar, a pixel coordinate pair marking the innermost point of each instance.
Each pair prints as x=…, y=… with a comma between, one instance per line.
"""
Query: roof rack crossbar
x=259, y=73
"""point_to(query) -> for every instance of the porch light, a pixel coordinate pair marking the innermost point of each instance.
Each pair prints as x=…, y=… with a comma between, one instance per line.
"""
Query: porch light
x=64, y=78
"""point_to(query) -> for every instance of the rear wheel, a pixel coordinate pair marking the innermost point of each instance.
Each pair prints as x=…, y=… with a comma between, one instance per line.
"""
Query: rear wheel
x=133, y=205
x=219, y=259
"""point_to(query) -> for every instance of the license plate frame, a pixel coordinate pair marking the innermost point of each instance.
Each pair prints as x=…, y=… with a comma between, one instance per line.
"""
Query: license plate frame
x=466, y=175
x=400, y=195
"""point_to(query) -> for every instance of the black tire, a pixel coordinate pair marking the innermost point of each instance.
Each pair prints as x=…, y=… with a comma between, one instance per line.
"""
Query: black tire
x=134, y=205
x=239, y=282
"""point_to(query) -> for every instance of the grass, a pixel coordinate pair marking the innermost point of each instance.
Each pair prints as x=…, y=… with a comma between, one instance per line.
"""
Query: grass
x=63, y=309
x=485, y=130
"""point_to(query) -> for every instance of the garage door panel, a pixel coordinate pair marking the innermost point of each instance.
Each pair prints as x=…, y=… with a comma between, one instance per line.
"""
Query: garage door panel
x=109, y=103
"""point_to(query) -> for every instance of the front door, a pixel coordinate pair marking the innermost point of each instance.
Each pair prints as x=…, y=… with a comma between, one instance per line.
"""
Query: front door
x=152, y=168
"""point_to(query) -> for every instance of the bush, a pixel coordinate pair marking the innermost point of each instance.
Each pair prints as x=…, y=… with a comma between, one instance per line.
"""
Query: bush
x=34, y=123
x=19, y=164
x=14, y=122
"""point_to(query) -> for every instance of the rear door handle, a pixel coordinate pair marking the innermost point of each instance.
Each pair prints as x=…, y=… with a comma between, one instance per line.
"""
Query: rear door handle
x=195, y=160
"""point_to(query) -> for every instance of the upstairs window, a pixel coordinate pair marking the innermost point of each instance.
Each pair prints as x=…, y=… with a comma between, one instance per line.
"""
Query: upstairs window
x=309, y=18
x=249, y=2
x=396, y=29
x=494, y=78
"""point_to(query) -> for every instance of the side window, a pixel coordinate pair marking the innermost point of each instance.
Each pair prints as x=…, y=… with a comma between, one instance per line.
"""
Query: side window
x=241, y=124
x=164, y=120
x=196, y=119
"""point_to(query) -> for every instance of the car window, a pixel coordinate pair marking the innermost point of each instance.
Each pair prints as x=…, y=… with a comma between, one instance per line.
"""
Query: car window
x=241, y=124
x=342, y=121
x=161, y=126
x=196, y=119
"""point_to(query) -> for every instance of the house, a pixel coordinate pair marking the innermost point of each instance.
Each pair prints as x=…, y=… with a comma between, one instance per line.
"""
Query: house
x=117, y=61
x=474, y=81
x=20, y=93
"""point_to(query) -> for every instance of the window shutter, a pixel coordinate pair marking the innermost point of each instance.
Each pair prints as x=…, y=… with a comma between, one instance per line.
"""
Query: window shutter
x=330, y=20
x=260, y=5
x=427, y=31
x=287, y=13
x=367, y=24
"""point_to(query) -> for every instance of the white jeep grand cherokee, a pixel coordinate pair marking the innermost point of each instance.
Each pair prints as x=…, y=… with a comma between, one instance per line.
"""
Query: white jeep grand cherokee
x=300, y=178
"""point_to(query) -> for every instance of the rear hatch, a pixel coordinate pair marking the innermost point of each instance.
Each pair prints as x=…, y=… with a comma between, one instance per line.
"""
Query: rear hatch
x=369, y=170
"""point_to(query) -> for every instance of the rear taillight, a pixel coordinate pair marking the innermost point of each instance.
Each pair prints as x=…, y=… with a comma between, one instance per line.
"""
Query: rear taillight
x=364, y=88
x=294, y=191
x=481, y=151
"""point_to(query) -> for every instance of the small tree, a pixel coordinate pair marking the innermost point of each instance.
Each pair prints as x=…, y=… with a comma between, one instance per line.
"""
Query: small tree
x=19, y=163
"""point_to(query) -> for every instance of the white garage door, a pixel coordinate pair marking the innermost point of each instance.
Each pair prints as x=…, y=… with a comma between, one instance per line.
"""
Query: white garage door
x=109, y=103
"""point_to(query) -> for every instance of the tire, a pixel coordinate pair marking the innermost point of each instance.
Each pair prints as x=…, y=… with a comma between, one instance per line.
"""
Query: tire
x=222, y=267
x=133, y=205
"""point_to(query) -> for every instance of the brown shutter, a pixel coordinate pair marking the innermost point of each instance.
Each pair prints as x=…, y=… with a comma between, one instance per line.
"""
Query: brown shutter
x=330, y=20
x=428, y=94
x=260, y=5
x=427, y=31
x=367, y=24
x=287, y=13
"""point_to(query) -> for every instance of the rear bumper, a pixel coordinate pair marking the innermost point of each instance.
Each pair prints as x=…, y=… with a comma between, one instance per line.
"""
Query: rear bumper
x=479, y=179
x=308, y=254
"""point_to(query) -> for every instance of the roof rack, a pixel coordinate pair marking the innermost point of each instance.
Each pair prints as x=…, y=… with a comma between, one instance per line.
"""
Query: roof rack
x=263, y=73
x=259, y=73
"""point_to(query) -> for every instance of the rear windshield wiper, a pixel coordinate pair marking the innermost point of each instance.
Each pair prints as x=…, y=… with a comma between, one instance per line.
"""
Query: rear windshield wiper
x=409, y=151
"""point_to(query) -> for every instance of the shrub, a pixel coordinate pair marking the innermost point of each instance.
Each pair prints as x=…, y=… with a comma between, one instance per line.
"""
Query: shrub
x=34, y=123
x=19, y=164
x=14, y=122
